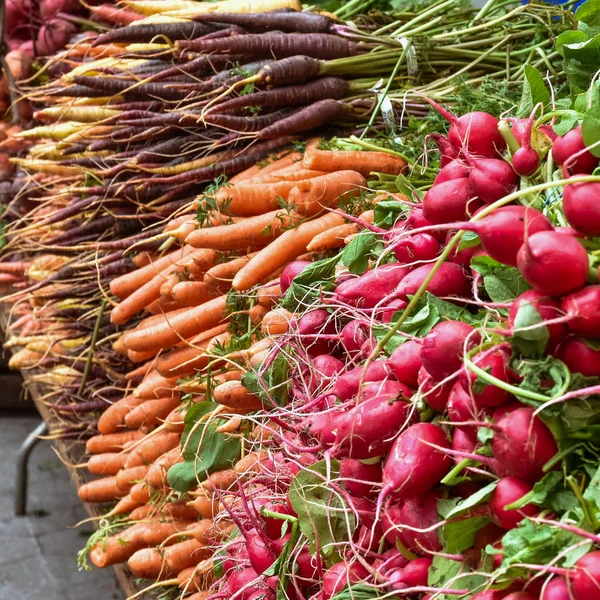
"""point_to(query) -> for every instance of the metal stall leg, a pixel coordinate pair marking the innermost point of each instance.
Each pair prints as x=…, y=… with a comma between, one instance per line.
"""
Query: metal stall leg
x=22, y=463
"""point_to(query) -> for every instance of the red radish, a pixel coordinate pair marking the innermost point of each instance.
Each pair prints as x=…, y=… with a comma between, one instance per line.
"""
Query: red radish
x=557, y=589
x=358, y=478
x=308, y=565
x=519, y=130
x=525, y=160
x=491, y=178
x=489, y=595
x=405, y=362
x=434, y=394
x=290, y=272
x=455, y=169
x=241, y=579
x=463, y=257
x=583, y=309
x=461, y=406
x=521, y=596
x=369, y=429
x=449, y=280
x=581, y=209
x=570, y=144
x=547, y=308
x=387, y=314
x=463, y=440
x=370, y=289
x=53, y=36
x=419, y=513
x=503, y=232
x=272, y=526
x=354, y=335
x=447, y=152
x=553, y=263
x=495, y=363
x=347, y=384
x=413, y=467
x=261, y=557
x=321, y=426
x=311, y=325
x=421, y=246
x=522, y=445
x=443, y=347
x=579, y=357
x=324, y=369
x=390, y=560
x=341, y=575
x=49, y=8
x=417, y=220
x=391, y=389
x=449, y=201
x=509, y=490
x=414, y=574
x=585, y=578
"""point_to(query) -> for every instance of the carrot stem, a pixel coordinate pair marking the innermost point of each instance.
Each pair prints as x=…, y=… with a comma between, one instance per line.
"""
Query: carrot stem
x=90, y=356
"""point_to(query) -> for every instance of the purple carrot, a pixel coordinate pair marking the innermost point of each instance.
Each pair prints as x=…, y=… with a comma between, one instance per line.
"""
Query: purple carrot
x=245, y=124
x=145, y=33
x=80, y=407
x=212, y=63
x=110, y=86
x=301, y=22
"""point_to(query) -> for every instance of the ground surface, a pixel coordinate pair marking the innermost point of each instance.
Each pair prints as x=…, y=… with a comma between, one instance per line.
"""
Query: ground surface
x=38, y=552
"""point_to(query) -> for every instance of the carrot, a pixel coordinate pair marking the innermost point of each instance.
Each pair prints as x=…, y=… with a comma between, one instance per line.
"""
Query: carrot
x=259, y=358
x=137, y=357
x=255, y=173
x=150, y=563
x=114, y=416
x=140, y=493
x=220, y=277
x=154, y=385
x=311, y=196
x=358, y=160
x=174, y=362
x=175, y=419
x=100, y=490
x=151, y=412
x=250, y=462
x=276, y=321
x=283, y=250
x=168, y=283
x=119, y=348
x=127, y=477
x=112, y=442
x=221, y=480
x=123, y=507
x=108, y=463
x=251, y=199
x=295, y=173
x=333, y=238
x=114, y=14
x=268, y=295
x=138, y=374
x=170, y=510
x=162, y=305
x=191, y=293
x=156, y=477
x=257, y=314
x=126, y=284
x=170, y=329
x=142, y=259
x=235, y=395
x=119, y=547
x=205, y=506
x=149, y=450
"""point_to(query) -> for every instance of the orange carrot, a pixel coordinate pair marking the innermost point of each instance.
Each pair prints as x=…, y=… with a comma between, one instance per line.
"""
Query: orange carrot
x=251, y=199
x=127, y=477
x=108, y=463
x=250, y=462
x=125, y=285
x=281, y=251
x=358, y=160
x=151, y=412
x=254, y=232
x=138, y=374
x=119, y=347
x=235, y=395
x=112, y=442
x=277, y=165
x=140, y=493
x=205, y=506
x=113, y=417
x=138, y=357
x=162, y=305
x=221, y=480
x=154, y=385
x=268, y=295
x=220, y=277
x=170, y=329
x=276, y=321
x=100, y=490
x=142, y=259
x=257, y=314
x=191, y=293
x=153, y=447
x=123, y=507
x=311, y=196
x=156, y=477
x=168, y=284
x=170, y=510
x=175, y=419
x=150, y=563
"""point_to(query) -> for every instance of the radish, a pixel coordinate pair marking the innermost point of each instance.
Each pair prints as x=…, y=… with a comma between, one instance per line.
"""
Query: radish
x=547, y=308
x=461, y=406
x=443, y=347
x=53, y=36
x=391, y=389
x=321, y=426
x=579, y=357
x=419, y=513
x=385, y=316
x=359, y=478
x=581, y=209
x=417, y=220
x=368, y=290
x=311, y=325
x=405, y=362
x=414, y=574
x=324, y=370
x=354, y=335
x=413, y=467
x=447, y=151
x=521, y=596
x=434, y=394
x=347, y=385
x=509, y=490
x=477, y=132
x=491, y=178
x=463, y=257
x=553, y=263
x=583, y=309
x=489, y=595
x=308, y=566
x=49, y=8
x=463, y=440
x=519, y=130
x=261, y=557
x=339, y=576
x=241, y=579
x=421, y=246
x=557, y=589
x=503, y=232
x=585, y=578
x=495, y=363
x=455, y=169
x=525, y=160
x=290, y=272
x=449, y=201
x=564, y=147
x=522, y=445
x=449, y=280
x=369, y=429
